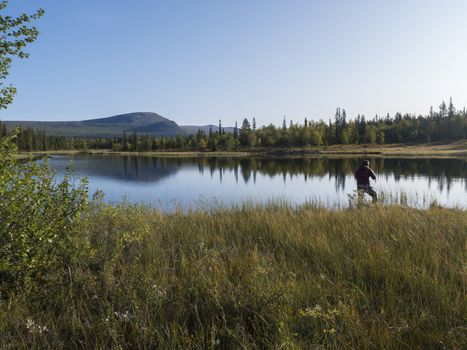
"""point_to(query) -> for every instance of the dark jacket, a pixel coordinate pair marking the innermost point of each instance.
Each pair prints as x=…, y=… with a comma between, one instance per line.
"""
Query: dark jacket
x=363, y=175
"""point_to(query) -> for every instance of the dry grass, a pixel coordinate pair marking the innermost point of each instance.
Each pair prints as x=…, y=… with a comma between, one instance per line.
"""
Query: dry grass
x=254, y=278
x=458, y=148
x=455, y=149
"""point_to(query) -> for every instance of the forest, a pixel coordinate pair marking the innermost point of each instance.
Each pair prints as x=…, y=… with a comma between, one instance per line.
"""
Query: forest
x=444, y=125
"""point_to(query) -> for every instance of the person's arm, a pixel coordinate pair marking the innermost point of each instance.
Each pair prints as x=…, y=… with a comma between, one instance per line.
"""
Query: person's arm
x=372, y=174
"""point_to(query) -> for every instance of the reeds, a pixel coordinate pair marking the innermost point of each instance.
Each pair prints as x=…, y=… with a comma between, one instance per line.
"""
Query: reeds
x=252, y=277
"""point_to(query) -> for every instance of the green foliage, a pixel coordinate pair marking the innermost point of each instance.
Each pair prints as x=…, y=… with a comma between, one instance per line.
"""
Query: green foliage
x=36, y=215
x=16, y=35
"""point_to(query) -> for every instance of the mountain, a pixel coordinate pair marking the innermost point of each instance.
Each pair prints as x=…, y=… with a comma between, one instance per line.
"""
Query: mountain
x=130, y=119
x=142, y=122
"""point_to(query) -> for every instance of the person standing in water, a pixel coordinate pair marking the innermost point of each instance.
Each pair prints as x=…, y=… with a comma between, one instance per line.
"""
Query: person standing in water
x=362, y=176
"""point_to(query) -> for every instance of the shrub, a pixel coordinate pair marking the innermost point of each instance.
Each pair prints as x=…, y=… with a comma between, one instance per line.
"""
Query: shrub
x=35, y=214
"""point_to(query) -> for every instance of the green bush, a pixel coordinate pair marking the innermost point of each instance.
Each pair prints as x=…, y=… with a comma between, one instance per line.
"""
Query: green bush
x=36, y=212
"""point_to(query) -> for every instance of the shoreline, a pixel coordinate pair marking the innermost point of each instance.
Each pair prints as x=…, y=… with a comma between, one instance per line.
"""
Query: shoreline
x=435, y=150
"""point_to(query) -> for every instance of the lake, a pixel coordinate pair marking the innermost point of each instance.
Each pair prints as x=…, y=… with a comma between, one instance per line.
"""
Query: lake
x=168, y=183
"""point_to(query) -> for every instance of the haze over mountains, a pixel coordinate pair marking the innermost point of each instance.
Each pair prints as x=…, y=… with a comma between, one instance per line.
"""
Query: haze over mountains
x=146, y=123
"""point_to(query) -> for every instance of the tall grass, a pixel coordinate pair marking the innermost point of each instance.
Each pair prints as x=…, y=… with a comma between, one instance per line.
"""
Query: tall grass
x=251, y=277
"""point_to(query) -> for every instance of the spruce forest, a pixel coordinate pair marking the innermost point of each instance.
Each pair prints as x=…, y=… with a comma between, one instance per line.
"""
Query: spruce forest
x=444, y=125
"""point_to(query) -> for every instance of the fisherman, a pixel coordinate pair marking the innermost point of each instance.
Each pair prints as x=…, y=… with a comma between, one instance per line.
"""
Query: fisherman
x=362, y=176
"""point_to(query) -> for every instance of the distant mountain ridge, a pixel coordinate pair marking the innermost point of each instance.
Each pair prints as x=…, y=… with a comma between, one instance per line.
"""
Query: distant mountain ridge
x=142, y=122
x=146, y=123
x=135, y=119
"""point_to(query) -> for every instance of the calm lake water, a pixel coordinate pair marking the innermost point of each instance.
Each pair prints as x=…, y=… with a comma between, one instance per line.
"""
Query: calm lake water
x=189, y=182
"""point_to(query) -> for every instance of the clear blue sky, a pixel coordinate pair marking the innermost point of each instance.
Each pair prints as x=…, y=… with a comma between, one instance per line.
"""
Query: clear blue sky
x=198, y=61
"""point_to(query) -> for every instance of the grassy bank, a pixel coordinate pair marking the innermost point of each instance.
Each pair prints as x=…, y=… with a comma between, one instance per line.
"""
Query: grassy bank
x=251, y=277
x=455, y=149
x=439, y=150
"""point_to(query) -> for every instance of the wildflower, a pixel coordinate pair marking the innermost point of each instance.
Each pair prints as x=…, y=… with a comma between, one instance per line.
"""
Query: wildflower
x=29, y=323
x=35, y=328
x=160, y=292
x=123, y=316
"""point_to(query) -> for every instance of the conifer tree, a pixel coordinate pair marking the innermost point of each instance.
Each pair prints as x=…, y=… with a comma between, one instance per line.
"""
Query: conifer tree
x=451, y=109
x=245, y=132
x=236, y=131
x=442, y=110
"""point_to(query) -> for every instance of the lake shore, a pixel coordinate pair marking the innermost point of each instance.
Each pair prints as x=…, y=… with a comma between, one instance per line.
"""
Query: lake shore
x=428, y=150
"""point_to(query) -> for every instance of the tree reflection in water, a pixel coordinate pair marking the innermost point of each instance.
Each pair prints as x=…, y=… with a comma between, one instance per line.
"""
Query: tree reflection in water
x=145, y=178
x=439, y=170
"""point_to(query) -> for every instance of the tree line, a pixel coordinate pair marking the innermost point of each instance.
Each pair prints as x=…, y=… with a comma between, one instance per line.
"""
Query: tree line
x=445, y=124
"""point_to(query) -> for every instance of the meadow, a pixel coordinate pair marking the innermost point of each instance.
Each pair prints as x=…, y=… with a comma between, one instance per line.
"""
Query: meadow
x=251, y=277
x=82, y=274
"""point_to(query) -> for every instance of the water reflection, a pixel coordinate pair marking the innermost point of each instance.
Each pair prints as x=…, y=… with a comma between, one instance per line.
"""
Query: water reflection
x=123, y=168
x=442, y=171
x=258, y=177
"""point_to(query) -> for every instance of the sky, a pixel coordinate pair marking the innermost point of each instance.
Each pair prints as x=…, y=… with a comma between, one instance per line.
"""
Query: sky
x=196, y=62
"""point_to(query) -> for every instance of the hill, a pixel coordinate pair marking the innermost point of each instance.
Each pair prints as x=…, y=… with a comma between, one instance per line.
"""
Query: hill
x=142, y=122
